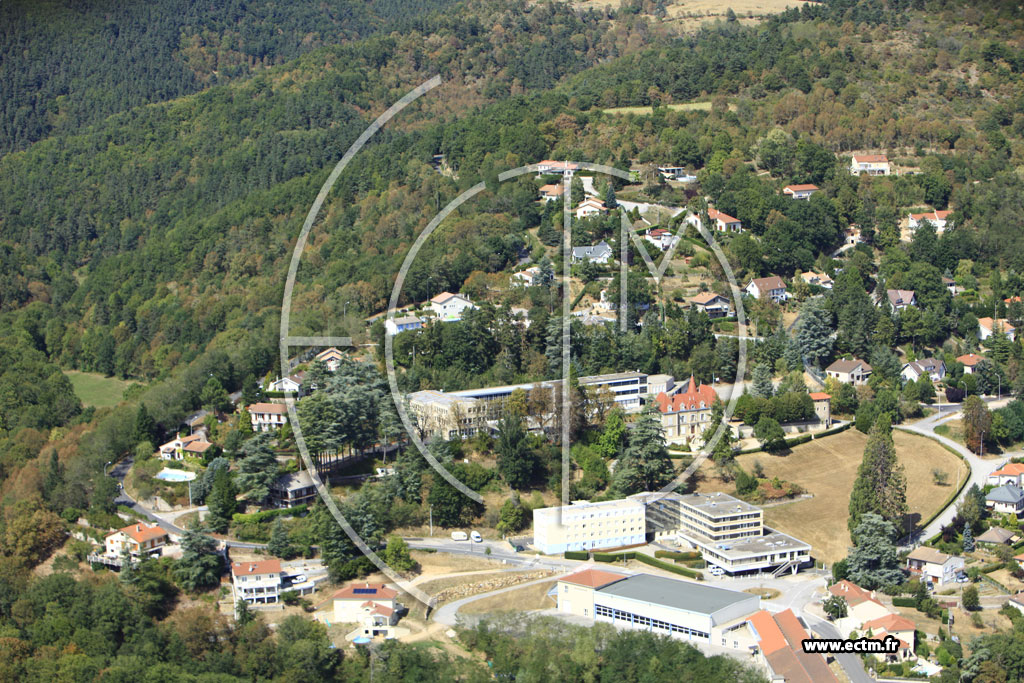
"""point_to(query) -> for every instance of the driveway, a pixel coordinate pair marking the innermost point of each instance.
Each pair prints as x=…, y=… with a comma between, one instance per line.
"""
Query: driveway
x=979, y=468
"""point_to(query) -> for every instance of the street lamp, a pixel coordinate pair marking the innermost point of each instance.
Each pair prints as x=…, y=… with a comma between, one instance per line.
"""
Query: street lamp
x=431, y=520
x=109, y=463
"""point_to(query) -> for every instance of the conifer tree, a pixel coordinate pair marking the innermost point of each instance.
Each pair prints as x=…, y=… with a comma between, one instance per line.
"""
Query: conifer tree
x=881, y=484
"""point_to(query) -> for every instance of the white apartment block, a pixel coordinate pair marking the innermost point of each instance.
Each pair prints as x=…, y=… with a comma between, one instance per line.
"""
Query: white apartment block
x=585, y=526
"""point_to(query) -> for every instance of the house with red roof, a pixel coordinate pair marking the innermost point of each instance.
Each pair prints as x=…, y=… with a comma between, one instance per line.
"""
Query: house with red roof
x=862, y=605
x=266, y=417
x=551, y=167
x=822, y=407
x=1010, y=473
x=661, y=238
x=988, y=327
x=712, y=304
x=180, y=446
x=374, y=606
x=257, y=581
x=549, y=193
x=871, y=164
x=969, y=360
x=685, y=414
x=723, y=221
x=800, y=191
x=938, y=219
x=449, y=307
x=767, y=288
x=138, y=539
x=896, y=626
x=780, y=649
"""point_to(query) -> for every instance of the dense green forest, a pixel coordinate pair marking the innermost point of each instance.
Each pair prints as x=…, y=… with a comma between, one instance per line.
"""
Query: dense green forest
x=149, y=208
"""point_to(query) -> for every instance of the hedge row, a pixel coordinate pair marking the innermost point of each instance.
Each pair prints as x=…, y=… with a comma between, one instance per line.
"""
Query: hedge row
x=904, y=602
x=990, y=567
x=689, y=573
x=577, y=555
x=263, y=515
x=677, y=556
x=613, y=557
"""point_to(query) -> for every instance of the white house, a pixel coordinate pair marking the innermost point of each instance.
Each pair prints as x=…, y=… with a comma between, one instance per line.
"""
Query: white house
x=872, y=164
x=289, y=385
x=599, y=253
x=331, y=357
x=590, y=207
x=373, y=606
x=969, y=360
x=403, y=324
x=549, y=167
x=933, y=367
x=267, y=417
x=818, y=279
x=800, y=191
x=987, y=327
x=550, y=193
x=862, y=605
x=256, y=581
x=928, y=564
x=938, y=219
x=524, y=278
x=854, y=371
x=901, y=299
x=661, y=238
x=1010, y=473
x=137, y=539
x=180, y=446
x=767, y=287
x=714, y=305
x=723, y=221
x=1007, y=499
x=449, y=307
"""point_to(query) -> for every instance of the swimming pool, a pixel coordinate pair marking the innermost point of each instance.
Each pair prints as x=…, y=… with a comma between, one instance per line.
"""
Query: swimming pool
x=174, y=475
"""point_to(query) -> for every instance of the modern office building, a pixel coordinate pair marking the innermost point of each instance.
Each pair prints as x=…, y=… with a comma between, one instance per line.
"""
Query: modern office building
x=586, y=526
x=680, y=609
x=728, y=532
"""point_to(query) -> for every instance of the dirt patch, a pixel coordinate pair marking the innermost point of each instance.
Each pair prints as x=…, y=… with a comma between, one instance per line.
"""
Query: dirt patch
x=526, y=598
x=826, y=468
x=458, y=587
x=765, y=593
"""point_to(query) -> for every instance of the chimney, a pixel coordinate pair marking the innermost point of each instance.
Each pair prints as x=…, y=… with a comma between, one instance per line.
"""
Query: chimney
x=138, y=527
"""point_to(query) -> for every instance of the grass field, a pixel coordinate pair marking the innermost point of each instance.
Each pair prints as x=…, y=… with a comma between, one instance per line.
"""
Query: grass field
x=96, y=390
x=827, y=468
x=528, y=598
x=684, y=106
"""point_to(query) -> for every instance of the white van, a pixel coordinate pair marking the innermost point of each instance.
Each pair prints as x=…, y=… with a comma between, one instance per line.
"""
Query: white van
x=477, y=538
x=459, y=536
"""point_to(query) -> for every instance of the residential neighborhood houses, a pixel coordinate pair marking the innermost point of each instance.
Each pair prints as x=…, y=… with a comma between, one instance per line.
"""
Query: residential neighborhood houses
x=852, y=371
x=712, y=304
x=267, y=417
x=599, y=253
x=137, y=540
x=901, y=299
x=934, y=566
x=449, y=307
x=871, y=164
x=590, y=207
x=938, y=219
x=819, y=279
x=772, y=288
x=987, y=327
x=193, y=445
x=915, y=370
x=800, y=191
x=402, y=324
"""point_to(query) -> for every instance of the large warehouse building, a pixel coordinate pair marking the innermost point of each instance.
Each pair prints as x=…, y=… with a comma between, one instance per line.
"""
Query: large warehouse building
x=681, y=609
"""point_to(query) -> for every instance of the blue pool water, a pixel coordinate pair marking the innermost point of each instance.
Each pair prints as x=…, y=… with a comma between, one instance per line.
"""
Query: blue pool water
x=174, y=475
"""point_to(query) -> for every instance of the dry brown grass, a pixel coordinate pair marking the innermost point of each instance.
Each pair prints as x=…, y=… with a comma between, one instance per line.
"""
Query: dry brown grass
x=826, y=468
x=691, y=14
x=765, y=593
x=528, y=598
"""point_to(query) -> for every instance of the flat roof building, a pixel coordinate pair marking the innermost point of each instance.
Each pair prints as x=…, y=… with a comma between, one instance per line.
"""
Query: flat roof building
x=586, y=526
x=680, y=609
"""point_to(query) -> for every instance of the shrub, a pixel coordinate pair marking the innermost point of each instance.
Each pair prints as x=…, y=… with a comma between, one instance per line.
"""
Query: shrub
x=904, y=602
x=578, y=555
x=677, y=556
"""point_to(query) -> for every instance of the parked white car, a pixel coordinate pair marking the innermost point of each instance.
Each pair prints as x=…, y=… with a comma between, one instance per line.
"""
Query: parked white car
x=459, y=536
x=477, y=538
x=716, y=570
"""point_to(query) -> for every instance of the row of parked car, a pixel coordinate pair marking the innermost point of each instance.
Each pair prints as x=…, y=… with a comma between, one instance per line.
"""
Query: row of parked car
x=461, y=536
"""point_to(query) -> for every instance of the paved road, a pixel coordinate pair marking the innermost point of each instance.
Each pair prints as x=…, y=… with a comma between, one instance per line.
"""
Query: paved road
x=851, y=663
x=979, y=468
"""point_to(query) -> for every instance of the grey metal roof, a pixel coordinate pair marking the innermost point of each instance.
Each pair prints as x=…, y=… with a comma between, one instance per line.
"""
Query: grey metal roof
x=599, y=250
x=1007, y=493
x=684, y=595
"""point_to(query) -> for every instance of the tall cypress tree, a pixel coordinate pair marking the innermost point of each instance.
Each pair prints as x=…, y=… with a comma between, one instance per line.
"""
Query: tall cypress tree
x=881, y=484
x=221, y=502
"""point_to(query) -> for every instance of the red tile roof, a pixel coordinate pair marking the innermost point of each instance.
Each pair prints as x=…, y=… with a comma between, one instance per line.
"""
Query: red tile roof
x=853, y=593
x=694, y=398
x=780, y=639
x=1012, y=469
x=140, y=533
x=705, y=297
x=366, y=591
x=969, y=359
x=378, y=608
x=870, y=158
x=890, y=622
x=799, y=188
x=931, y=215
x=592, y=578
x=268, y=408
x=552, y=189
x=197, y=446
x=988, y=323
x=254, y=568
x=820, y=396
x=716, y=215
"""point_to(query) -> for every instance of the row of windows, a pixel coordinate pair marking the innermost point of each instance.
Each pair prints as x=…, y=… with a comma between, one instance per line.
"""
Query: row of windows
x=619, y=615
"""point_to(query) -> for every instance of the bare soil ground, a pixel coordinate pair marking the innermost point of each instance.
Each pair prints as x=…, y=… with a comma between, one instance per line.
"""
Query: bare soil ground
x=826, y=468
x=528, y=598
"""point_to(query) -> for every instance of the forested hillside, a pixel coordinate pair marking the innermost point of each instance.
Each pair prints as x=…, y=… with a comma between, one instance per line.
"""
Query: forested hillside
x=149, y=208
x=66, y=65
